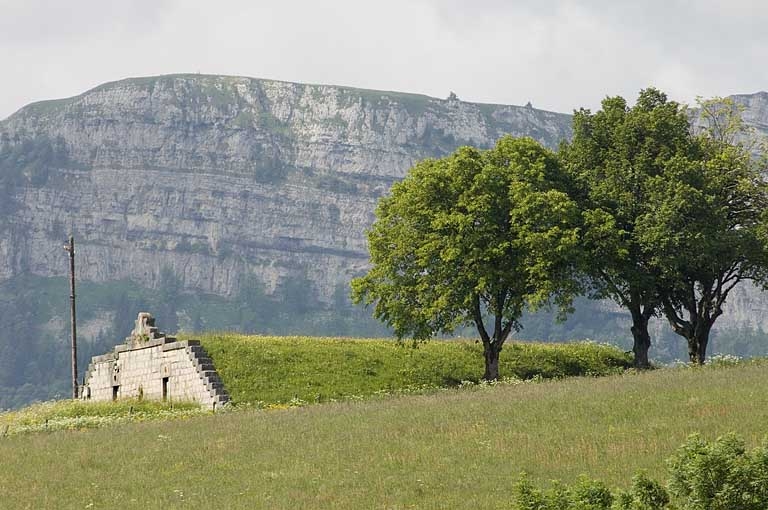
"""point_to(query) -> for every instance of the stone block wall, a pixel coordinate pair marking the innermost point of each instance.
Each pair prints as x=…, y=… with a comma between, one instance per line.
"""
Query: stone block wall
x=155, y=366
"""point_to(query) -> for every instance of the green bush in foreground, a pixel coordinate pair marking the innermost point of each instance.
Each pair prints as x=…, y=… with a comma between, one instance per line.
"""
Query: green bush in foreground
x=718, y=475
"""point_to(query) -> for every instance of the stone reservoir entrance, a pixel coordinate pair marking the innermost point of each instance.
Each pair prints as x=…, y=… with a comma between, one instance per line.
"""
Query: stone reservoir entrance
x=155, y=366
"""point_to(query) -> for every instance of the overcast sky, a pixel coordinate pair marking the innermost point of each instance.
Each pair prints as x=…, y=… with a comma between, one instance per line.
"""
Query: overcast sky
x=559, y=55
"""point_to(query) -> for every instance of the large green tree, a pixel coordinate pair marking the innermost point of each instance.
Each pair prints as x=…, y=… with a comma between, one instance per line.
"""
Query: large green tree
x=613, y=157
x=472, y=239
x=705, y=226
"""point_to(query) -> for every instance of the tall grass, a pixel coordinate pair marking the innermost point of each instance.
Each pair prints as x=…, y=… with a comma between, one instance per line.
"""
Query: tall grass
x=451, y=449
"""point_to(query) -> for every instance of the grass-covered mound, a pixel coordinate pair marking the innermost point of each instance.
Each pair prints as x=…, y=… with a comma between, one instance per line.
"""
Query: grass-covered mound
x=274, y=370
x=452, y=449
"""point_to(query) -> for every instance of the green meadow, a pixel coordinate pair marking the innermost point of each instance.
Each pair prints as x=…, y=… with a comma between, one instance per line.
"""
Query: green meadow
x=456, y=447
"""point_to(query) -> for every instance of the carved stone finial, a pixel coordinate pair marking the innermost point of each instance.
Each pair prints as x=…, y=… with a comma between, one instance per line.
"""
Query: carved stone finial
x=143, y=323
x=144, y=329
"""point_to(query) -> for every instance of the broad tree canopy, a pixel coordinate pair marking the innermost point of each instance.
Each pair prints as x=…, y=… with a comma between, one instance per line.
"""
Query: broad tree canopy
x=613, y=157
x=705, y=230
x=472, y=239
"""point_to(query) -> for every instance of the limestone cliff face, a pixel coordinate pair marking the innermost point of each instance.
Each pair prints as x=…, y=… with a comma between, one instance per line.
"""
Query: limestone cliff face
x=221, y=177
x=755, y=112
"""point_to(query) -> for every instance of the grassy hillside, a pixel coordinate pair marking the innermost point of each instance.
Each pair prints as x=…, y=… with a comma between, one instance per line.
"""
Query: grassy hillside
x=451, y=449
x=269, y=370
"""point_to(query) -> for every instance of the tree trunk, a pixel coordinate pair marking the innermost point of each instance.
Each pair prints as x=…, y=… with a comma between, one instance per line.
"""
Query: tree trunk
x=641, y=337
x=703, y=342
x=491, y=354
x=492, y=344
x=642, y=343
x=693, y=349
x=697, y=344
x=697, y=322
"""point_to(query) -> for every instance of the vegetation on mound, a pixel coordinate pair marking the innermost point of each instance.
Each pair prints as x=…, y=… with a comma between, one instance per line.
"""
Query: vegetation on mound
x=272, y=370
x=449, y=449
x=79, y=414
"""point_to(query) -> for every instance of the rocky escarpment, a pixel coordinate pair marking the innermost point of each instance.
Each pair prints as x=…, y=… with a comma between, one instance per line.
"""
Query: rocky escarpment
x=221, y=177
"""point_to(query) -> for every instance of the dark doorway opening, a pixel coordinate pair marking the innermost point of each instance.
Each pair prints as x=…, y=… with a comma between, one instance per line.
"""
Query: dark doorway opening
x=165, y=389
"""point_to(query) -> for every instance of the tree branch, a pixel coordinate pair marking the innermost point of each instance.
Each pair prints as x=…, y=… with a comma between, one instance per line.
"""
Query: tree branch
x=478, y=318
x=498, y=317
x=614, y=288
x=678, y=324
x=648, y=311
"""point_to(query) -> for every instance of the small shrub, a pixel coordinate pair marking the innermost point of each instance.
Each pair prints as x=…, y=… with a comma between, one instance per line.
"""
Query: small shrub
x=585, y=495
x=718, y=475
x=591, y=495
x=645, y=494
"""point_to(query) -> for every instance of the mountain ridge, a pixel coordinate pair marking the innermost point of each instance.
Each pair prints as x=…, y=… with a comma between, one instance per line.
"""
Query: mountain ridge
x=131, y=79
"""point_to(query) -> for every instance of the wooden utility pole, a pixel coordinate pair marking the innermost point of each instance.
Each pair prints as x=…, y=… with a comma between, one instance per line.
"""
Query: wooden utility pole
x=71, y=249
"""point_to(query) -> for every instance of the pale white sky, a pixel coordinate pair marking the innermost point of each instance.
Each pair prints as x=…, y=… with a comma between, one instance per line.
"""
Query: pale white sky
x=558, y=54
